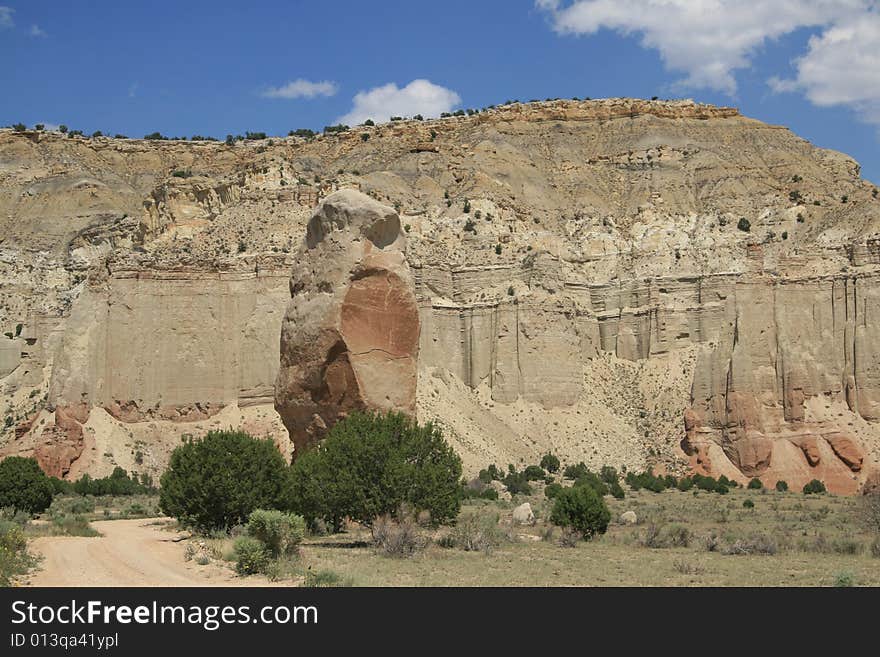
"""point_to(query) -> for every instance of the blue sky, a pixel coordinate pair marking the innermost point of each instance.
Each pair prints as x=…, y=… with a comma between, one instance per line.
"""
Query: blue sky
x=213, y=68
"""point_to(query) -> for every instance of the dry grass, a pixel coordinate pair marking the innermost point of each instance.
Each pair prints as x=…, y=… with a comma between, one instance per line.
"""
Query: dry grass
x=787, y=539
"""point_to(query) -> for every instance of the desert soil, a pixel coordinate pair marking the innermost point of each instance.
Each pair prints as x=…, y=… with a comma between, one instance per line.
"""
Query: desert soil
x=139, y=552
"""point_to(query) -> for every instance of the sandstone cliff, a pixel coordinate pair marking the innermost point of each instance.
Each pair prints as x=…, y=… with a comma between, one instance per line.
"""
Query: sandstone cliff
x=597, y=297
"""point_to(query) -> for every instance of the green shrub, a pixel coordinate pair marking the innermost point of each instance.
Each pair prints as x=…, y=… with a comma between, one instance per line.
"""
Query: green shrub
x=581, y=508
x=781, y=486
x=814, y=487
x=476, y=533
x=72, y=525
x=14, y=557
x=517, y=484
x=550, y=462
x=118, y=483
x=552, y=490
x=371, y=465
x=744, y=225
x=844, y=578
x=325, y=578
x=592, y=480
x=755, y=484
x=608, y=475
x=397, y=538
x=534, y=473
x=616, y=491
x=82, y=505
x=575, y=472
x=281, y=533
x=23, y=485
x=216, y=482
x=748, y=504
x=685, y=484
x=251, y=556
x=646, y=480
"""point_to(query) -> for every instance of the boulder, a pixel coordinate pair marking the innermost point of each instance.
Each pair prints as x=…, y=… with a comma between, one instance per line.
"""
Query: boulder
x=350, y=337
x=523, y=515
x=629, y=517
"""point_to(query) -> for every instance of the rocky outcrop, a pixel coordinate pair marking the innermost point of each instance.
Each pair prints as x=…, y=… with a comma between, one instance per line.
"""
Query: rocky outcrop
x=62, y=443
x=349, y=340
x=619, y=281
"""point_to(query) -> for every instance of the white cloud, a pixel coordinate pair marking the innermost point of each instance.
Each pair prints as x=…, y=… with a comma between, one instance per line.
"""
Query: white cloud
x=705, y=39
x=841, y=67
x=301, y=89
x=6, y=17
x=418, y=97
x=37, y=31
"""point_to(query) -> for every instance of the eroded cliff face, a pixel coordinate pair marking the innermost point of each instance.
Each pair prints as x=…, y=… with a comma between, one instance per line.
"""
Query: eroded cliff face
x=574, y=270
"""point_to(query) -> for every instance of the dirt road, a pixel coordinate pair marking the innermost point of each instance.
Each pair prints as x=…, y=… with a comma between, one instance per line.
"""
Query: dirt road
x=129, y=553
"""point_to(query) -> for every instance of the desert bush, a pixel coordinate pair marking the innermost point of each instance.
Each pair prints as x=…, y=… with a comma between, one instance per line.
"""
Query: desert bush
x=616, y=490
x=66, y=524
x=582, y=509
x=570, y=537
x=280, y=532
x=325, y=578
x=251, y=556
x=687, y=567
x=23, y=485
x=821, y=544
x=748, y=504
x=756, y=544
x=82, y=505
x=755, y=484
x=678, y=536
x=477, y=533
x=844, y=579
x=646, y=480
x=552, y=490
x=814, y=487
x=685, y=484
x=216, y=482
x=781, y=486
x=118, y=483
x=14, y=558
x=575, y=472
x=550, y=462
x=397, y=538
x=534, y=473
x=517, y=484
x=869, y=511
x=711, y=542
x=608, y=474
x=652, y=536
x=874, y=548
x=592, y=480
x=371, y=465
x=744, y=225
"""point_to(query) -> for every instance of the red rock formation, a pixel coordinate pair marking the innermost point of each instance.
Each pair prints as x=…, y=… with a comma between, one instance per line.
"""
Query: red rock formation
x=350, y=337
x=63, y=443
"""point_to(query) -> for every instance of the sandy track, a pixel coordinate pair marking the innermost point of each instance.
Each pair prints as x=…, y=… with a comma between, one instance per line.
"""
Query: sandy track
x=129, y=553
